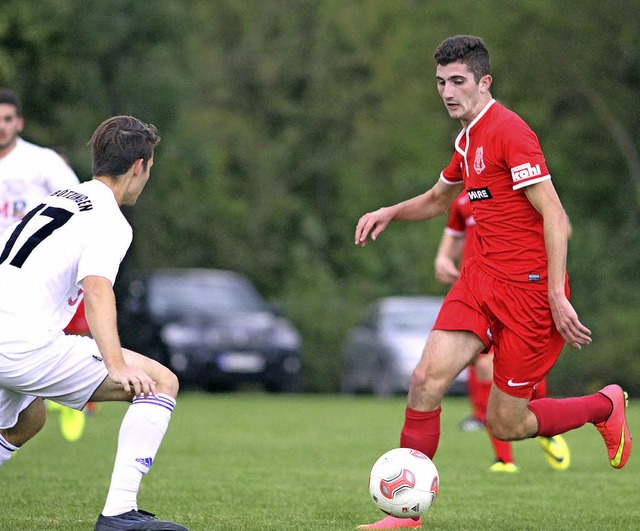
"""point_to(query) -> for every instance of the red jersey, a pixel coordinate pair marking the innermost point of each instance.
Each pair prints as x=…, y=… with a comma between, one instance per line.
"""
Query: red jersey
x=78, y=325
x=497, y=156
x=461, y=223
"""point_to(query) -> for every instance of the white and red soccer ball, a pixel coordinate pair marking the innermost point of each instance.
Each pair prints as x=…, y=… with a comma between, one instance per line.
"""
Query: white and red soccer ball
x=404, y=482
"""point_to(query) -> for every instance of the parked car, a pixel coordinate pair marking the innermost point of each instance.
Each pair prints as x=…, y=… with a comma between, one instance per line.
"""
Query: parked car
x=211, y=327
x=382, y=350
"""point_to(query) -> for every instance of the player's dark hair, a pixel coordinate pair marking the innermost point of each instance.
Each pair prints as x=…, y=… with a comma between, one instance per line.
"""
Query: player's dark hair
x=468, y=50
x=11, y=98
x=118, y=142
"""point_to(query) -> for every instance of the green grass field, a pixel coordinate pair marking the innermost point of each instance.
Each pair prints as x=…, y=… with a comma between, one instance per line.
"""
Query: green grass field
x=251, y=461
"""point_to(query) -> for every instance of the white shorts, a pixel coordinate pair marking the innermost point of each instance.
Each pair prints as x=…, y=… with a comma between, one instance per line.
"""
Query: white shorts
x=68, y=371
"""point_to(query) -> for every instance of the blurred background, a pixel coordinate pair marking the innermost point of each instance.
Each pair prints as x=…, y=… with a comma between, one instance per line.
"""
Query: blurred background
x=283, y=121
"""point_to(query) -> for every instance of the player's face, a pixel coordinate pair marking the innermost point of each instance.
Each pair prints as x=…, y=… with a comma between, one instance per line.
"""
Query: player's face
x=462, y=96
x=10, y=127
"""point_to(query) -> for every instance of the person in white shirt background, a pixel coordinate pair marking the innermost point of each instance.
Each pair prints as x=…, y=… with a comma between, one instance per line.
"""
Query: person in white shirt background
x=29, y=173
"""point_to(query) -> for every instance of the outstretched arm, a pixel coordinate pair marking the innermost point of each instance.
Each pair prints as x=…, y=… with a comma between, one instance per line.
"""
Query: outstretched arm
x=433, y=202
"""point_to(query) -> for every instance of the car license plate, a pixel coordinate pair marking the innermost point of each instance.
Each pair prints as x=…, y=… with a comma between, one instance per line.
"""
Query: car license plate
x=247, y=362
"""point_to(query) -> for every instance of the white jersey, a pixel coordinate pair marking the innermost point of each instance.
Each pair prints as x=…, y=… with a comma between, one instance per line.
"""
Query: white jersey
x=72, y=234
x=27, y=174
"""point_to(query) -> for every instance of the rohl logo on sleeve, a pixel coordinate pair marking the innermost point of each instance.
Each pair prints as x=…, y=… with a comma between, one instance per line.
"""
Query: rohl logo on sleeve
x=479, y=194
x=524, y=171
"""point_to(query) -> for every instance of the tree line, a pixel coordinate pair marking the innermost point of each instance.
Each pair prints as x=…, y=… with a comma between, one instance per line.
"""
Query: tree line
x=283, y=121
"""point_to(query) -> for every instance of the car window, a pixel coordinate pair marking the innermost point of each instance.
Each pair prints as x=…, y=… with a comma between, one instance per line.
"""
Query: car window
x=410, y=318
x=201, y=297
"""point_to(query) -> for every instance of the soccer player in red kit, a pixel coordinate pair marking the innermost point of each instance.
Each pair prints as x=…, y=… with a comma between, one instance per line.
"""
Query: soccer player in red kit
x=513, y=294
x=456, y=246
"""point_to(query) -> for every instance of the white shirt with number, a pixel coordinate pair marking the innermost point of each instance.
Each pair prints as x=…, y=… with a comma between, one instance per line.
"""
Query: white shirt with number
x=72, y=234
x=27, y=174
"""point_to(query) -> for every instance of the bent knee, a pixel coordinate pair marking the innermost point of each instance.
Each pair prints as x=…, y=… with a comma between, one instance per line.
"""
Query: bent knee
x=506, y=429
x=167, y=382
x=499, y=431
x=30, y=422
x=421, y=378
x=418, y=377
x=429, y=386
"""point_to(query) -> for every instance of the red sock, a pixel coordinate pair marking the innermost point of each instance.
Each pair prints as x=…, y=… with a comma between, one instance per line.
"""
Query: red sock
x=421, y=431
x=502, y=449
x=480, y=399
x=472, y=386
x=561, y=415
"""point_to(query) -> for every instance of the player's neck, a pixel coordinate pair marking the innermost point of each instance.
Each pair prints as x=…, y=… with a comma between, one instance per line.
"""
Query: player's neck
x=5, y=150
x=481, y=106
x=112, y=184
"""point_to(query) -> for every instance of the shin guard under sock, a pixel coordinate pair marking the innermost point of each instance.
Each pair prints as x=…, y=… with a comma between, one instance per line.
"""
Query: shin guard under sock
x=141, y=433
x=421, y=431
x=559, y=415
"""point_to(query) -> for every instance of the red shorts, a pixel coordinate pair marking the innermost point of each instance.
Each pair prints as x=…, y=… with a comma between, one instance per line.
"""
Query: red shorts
x=517, y=322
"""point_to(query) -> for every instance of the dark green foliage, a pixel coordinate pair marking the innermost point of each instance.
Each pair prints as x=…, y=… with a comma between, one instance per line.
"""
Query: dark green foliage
x=284, y=121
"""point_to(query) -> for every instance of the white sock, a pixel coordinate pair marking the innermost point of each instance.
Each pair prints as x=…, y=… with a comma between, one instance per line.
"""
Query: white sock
x=6, y=450
x=141, y=433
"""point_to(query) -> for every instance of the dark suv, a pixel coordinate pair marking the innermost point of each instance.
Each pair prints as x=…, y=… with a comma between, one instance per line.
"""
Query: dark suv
x=211, y=327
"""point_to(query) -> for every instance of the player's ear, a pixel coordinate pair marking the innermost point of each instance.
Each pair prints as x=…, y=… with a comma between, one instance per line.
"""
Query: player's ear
x=485, y=83
x=138, y=167
x=20, y=124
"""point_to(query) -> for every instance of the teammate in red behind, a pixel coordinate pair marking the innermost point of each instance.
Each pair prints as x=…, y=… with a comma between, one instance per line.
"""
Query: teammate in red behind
x=72, y=421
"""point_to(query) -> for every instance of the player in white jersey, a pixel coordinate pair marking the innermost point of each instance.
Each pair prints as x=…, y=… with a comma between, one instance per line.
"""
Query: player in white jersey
x=27, y=174
x=68, y=247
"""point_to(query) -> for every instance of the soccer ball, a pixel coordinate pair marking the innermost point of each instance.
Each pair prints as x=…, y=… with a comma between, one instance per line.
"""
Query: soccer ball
x=404, y=483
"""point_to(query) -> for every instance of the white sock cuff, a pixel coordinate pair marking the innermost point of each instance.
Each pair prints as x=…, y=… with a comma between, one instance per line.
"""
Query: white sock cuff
x=162, y=400
x=5, y=445
x=6, y=450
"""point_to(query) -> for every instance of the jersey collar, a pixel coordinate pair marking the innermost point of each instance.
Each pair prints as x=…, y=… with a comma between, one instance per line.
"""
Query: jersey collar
x=465, y=130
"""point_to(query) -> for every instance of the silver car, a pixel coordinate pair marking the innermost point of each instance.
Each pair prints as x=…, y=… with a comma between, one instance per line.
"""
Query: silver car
x=384, y=348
